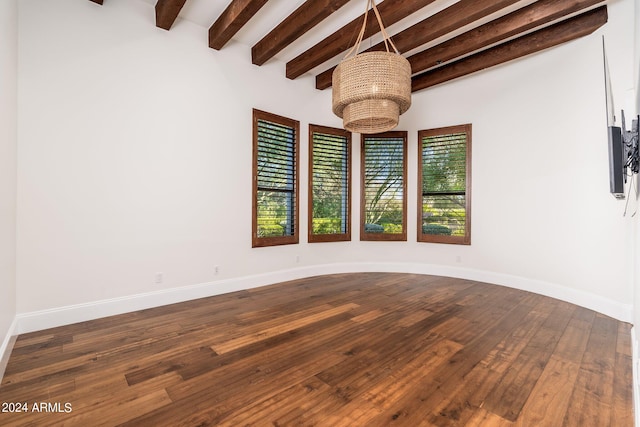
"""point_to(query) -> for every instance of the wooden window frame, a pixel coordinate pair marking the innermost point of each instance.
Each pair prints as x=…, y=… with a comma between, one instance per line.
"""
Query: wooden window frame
x=275, y=240
x=400, y=237
x=337, y=237
x=432, y=238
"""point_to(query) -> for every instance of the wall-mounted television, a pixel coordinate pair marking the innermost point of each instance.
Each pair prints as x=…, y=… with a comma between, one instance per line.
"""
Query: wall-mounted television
x=617, y=173
x=624, y=156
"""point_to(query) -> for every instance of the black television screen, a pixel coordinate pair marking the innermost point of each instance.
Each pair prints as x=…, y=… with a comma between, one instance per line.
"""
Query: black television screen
x=617, y=162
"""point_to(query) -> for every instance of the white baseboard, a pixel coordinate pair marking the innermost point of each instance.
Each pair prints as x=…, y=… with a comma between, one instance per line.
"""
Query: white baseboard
x=39, y=320
x=635, y=373
x=7, y=347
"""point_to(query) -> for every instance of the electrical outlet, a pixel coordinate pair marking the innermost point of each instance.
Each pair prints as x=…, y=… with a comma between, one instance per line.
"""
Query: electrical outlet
x=458, y=258
x=216, y=269
x=297, y=259
x=159, y=278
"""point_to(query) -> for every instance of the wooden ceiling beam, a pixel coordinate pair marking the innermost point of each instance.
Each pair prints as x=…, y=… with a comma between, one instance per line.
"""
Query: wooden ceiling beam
x=167, y=11
x=450, y=19
x=234, y=17
x=535, y=15
x=545, y=38
x=307, y=16
x=391, y=11
x=97, y=1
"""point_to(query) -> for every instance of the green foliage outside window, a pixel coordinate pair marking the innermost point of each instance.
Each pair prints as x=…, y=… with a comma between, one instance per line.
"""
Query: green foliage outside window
x=445, y=189
x=329, y=185
x=275, y=180
x=383, y=186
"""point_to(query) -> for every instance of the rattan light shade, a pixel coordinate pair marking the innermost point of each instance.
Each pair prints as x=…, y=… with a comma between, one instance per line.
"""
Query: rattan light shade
x=371, y=116
x=381, y=78
x=371, y=89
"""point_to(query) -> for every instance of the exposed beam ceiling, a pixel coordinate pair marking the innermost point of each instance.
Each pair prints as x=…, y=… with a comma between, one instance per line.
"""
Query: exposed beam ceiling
x=392, y=11
x=307, y=16
x=235, y=16
x=518, y=22
x=450, y=19
x=442, y=39
x=167, y=11
x=545, y=38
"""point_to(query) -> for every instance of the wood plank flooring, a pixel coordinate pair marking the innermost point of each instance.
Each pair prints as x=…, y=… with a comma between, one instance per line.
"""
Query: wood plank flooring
x=366, y=349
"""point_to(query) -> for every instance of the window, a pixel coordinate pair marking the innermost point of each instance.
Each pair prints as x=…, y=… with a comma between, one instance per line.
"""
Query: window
x=444, y=174
x=384, y=175
x=329, y=184
x=275, y=179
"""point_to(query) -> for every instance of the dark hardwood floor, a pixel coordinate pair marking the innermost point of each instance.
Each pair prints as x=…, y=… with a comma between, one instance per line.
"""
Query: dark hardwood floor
x=370, y=349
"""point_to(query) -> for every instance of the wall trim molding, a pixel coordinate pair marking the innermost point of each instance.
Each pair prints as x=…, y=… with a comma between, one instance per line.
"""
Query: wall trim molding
x=7, y=346
x=44, y=319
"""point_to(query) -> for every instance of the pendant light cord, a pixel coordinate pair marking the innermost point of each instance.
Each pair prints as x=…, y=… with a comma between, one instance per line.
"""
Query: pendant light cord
x=371, y=4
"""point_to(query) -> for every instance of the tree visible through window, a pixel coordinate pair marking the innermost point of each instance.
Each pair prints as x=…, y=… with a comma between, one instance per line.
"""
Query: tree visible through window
x=445, y=183
x=329, y=184
x=384, y=203
x=275, y=179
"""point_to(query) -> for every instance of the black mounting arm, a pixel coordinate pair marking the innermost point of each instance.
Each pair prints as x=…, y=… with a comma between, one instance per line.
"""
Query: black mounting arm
x=631, y=144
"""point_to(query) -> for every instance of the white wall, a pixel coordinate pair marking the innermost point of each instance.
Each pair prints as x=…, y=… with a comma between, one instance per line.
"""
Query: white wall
x=541, y=207
x=637, y=222
x=135, y=158
x=636, y=249
x=8, y=140
x=136, y=153
x=637, y=53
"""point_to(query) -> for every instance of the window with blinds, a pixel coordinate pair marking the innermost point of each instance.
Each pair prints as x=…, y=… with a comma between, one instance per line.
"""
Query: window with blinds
x=445, y=185
x=275, y=179
x=384, y=176
x=329, y=184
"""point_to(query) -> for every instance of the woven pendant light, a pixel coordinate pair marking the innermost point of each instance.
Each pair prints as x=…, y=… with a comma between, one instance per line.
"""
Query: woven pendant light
x=371, y=89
